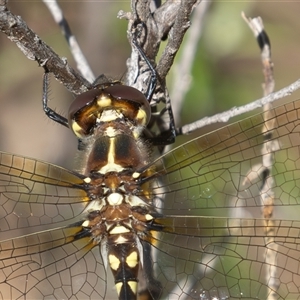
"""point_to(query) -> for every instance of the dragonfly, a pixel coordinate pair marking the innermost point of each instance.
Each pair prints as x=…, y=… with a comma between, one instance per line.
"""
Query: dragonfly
x=186, y=224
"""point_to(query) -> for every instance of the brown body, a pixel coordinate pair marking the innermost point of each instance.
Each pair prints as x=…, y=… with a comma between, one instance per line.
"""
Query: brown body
x=110, y=127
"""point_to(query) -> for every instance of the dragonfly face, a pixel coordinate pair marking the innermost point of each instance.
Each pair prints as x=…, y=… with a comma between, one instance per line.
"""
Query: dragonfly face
x=186, y=225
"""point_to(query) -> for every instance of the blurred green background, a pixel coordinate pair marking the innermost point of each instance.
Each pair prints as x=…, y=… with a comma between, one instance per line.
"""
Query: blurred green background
x=227, y=71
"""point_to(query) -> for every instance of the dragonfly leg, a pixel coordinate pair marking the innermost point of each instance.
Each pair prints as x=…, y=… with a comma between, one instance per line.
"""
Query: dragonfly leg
x=50, y=113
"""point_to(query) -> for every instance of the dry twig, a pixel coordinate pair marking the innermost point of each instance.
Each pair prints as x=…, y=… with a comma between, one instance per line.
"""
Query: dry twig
x=269, y=147
x=35, y=49
x=82, y=64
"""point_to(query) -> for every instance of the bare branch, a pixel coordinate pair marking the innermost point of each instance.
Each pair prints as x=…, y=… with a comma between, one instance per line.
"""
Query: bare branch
x=35, y=49
x=82, y=64
x=171, y=21
x=182, y=70
x=267, y=194
x=236, y=111
x=257, y=26
x=176, y=34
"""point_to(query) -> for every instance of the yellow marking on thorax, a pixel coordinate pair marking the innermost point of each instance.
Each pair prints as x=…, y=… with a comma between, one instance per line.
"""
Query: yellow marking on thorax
x=111, y=152
x=86, y=223
x=111, y=166
x=121, y=240
x=110, y=131
x=148, y=217
x=114, y=199
x=87, y=180
x=119, y=230
x=95, y=205
x=135, y=175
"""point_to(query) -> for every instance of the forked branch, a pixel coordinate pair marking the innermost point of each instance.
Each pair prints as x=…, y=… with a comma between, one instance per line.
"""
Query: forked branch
x=170, y=20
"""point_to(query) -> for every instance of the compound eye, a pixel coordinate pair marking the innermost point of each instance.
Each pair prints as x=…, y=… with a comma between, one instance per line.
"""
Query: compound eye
x=83, y=100
x=126, y=92
x=82, y=117
x=134, y=97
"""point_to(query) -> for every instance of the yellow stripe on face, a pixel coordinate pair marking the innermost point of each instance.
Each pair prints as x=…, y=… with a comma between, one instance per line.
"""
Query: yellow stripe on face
x=76, y=129
x=132, y=259
x=104, y=102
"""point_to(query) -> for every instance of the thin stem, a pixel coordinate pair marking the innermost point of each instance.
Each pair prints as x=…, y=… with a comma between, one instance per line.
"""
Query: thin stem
x=270, y=145
x=183, y=68
x=82, y=63
x=236, y=111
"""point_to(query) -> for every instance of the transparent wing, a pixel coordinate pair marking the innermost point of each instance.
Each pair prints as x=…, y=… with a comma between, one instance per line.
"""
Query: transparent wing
x=195, y=254
x=51, y=265
x=34, y=193
x=225, y=258
x=222, y=172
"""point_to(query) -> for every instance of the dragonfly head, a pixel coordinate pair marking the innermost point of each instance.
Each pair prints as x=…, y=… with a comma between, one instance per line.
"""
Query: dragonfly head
x=107, y=103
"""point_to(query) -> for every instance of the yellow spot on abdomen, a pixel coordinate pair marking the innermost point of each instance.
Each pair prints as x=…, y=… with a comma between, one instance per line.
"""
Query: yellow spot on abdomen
x=114, y=262
x=133, y=286
x=118, y=287
x=132, y=259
